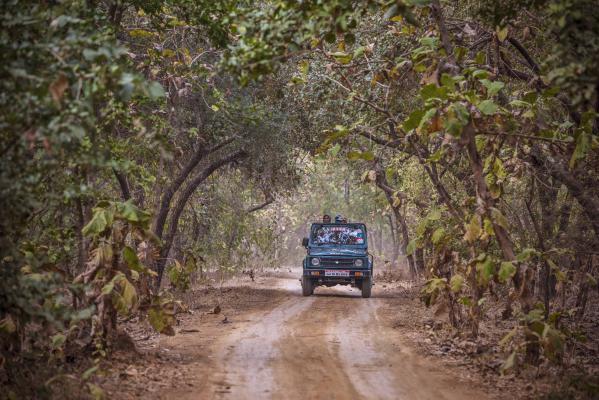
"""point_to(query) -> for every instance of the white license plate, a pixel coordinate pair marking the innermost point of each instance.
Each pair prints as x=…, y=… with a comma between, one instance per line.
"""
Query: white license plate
x=336, y=273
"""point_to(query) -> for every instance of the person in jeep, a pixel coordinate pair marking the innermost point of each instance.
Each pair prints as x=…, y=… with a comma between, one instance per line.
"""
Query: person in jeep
x=337, y=254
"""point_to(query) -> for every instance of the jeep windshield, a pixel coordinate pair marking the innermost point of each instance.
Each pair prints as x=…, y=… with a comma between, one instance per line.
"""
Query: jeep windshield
x=337, y=234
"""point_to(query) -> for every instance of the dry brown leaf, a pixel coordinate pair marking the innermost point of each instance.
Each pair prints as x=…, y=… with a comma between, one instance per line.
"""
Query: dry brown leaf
x=58, y=87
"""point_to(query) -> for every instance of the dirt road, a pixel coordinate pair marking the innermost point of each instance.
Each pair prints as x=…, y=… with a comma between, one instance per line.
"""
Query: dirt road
x=332, y=345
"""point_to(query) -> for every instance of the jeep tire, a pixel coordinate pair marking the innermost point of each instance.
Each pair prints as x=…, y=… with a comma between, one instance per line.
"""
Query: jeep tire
x=307, y=286
x=366, y=287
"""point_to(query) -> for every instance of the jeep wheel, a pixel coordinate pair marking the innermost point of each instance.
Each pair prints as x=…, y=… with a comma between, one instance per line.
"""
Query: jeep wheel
x=366, y=287
x=307, y=286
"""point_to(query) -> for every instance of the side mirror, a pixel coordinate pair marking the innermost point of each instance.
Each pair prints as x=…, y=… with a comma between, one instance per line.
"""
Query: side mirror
x=305, y=242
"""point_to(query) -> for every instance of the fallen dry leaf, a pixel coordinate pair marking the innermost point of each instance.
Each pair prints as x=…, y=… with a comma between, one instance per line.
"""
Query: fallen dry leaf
x=58, y=87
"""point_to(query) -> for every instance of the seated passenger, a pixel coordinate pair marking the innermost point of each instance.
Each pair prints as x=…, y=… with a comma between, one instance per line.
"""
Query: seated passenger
x=326, y=219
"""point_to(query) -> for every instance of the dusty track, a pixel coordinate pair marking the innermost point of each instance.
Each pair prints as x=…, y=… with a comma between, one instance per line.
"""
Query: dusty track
x=333, y=345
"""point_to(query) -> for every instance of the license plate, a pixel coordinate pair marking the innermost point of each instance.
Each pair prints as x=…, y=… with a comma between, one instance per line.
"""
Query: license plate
x=336, y=273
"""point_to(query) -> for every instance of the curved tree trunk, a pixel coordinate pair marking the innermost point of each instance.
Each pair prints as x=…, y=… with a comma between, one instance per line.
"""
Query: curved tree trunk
x=182, y=201
x=169, y=193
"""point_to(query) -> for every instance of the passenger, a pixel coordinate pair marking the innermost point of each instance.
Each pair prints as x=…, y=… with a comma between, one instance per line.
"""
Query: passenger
x=338, y=219
x=326, y=219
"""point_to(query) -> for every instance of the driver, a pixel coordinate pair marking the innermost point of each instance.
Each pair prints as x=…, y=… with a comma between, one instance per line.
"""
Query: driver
x=326, y=219
x=338, y=219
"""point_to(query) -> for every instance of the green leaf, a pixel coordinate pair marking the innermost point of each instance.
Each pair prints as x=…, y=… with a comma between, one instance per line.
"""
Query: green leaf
x=155, y=90
x=349, y=38
x=488, y=107
x=125, y=300
x=392, y=12
x=456, y=283
x=431, y=42
x=507, y=270
x=140, y=33
x=359, y=52
x=342, y=57
x=466, y=301
x=583, y=145
x=508, y=364
x=472, y=229
x=432, y=91
x=501, y=33
x=304, y=67
x=480, y=58
x=58, y=341
x=108, y=288
x=456, y=117
x=493, y=87
x=89, y=372
x=360, y=155
x=506, y=339
x=335, y=149
x=485, y=271
x=7, y=325
x=83, y=314
x=99, y=222
x=480, y=74
x=420, y=3
x=434, y=215
x=132, y=213
x=519, y=103
x=413, y=120
x=131, y=259
x=559, y=274
x=161, y=320
x=552, y=342
x=527, y=254
x=96, y=391
x=499, y=218
x=411, y=247
x=438, y=235
x=436, y=156
x=330, y=37
x=430, y=113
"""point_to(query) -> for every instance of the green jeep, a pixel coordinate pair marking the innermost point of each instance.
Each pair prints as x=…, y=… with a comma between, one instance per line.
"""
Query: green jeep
x=337, y=254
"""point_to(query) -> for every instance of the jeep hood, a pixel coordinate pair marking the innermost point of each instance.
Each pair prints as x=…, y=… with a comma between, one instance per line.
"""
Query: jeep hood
x=337, y=251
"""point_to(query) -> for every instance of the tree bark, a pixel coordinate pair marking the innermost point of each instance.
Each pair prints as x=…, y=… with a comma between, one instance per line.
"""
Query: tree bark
x=169, y=193
x=182, y=201
x=269, y=200
x=123, y=184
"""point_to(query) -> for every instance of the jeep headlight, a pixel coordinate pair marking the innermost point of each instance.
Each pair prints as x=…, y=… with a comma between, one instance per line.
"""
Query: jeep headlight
x=315, y=261
x=359, y=262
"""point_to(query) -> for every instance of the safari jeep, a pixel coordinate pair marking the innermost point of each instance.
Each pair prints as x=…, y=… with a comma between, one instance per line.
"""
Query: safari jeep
x=337, y=255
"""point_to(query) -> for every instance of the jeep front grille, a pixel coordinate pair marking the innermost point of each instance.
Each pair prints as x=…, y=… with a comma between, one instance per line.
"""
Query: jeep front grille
x=337, y=262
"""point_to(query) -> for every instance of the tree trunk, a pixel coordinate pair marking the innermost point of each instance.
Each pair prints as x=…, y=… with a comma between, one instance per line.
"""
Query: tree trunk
x=182, y=201
x=169, y=193
x=123, y=184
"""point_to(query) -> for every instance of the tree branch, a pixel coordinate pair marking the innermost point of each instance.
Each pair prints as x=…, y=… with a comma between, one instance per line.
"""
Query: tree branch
x=170, y=191
x=123, y=184
x=533, y=65
x=269, y=200
x=182, y=201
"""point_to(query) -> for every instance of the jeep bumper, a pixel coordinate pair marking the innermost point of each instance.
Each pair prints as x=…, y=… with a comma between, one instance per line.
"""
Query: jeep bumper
x=336, y=274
